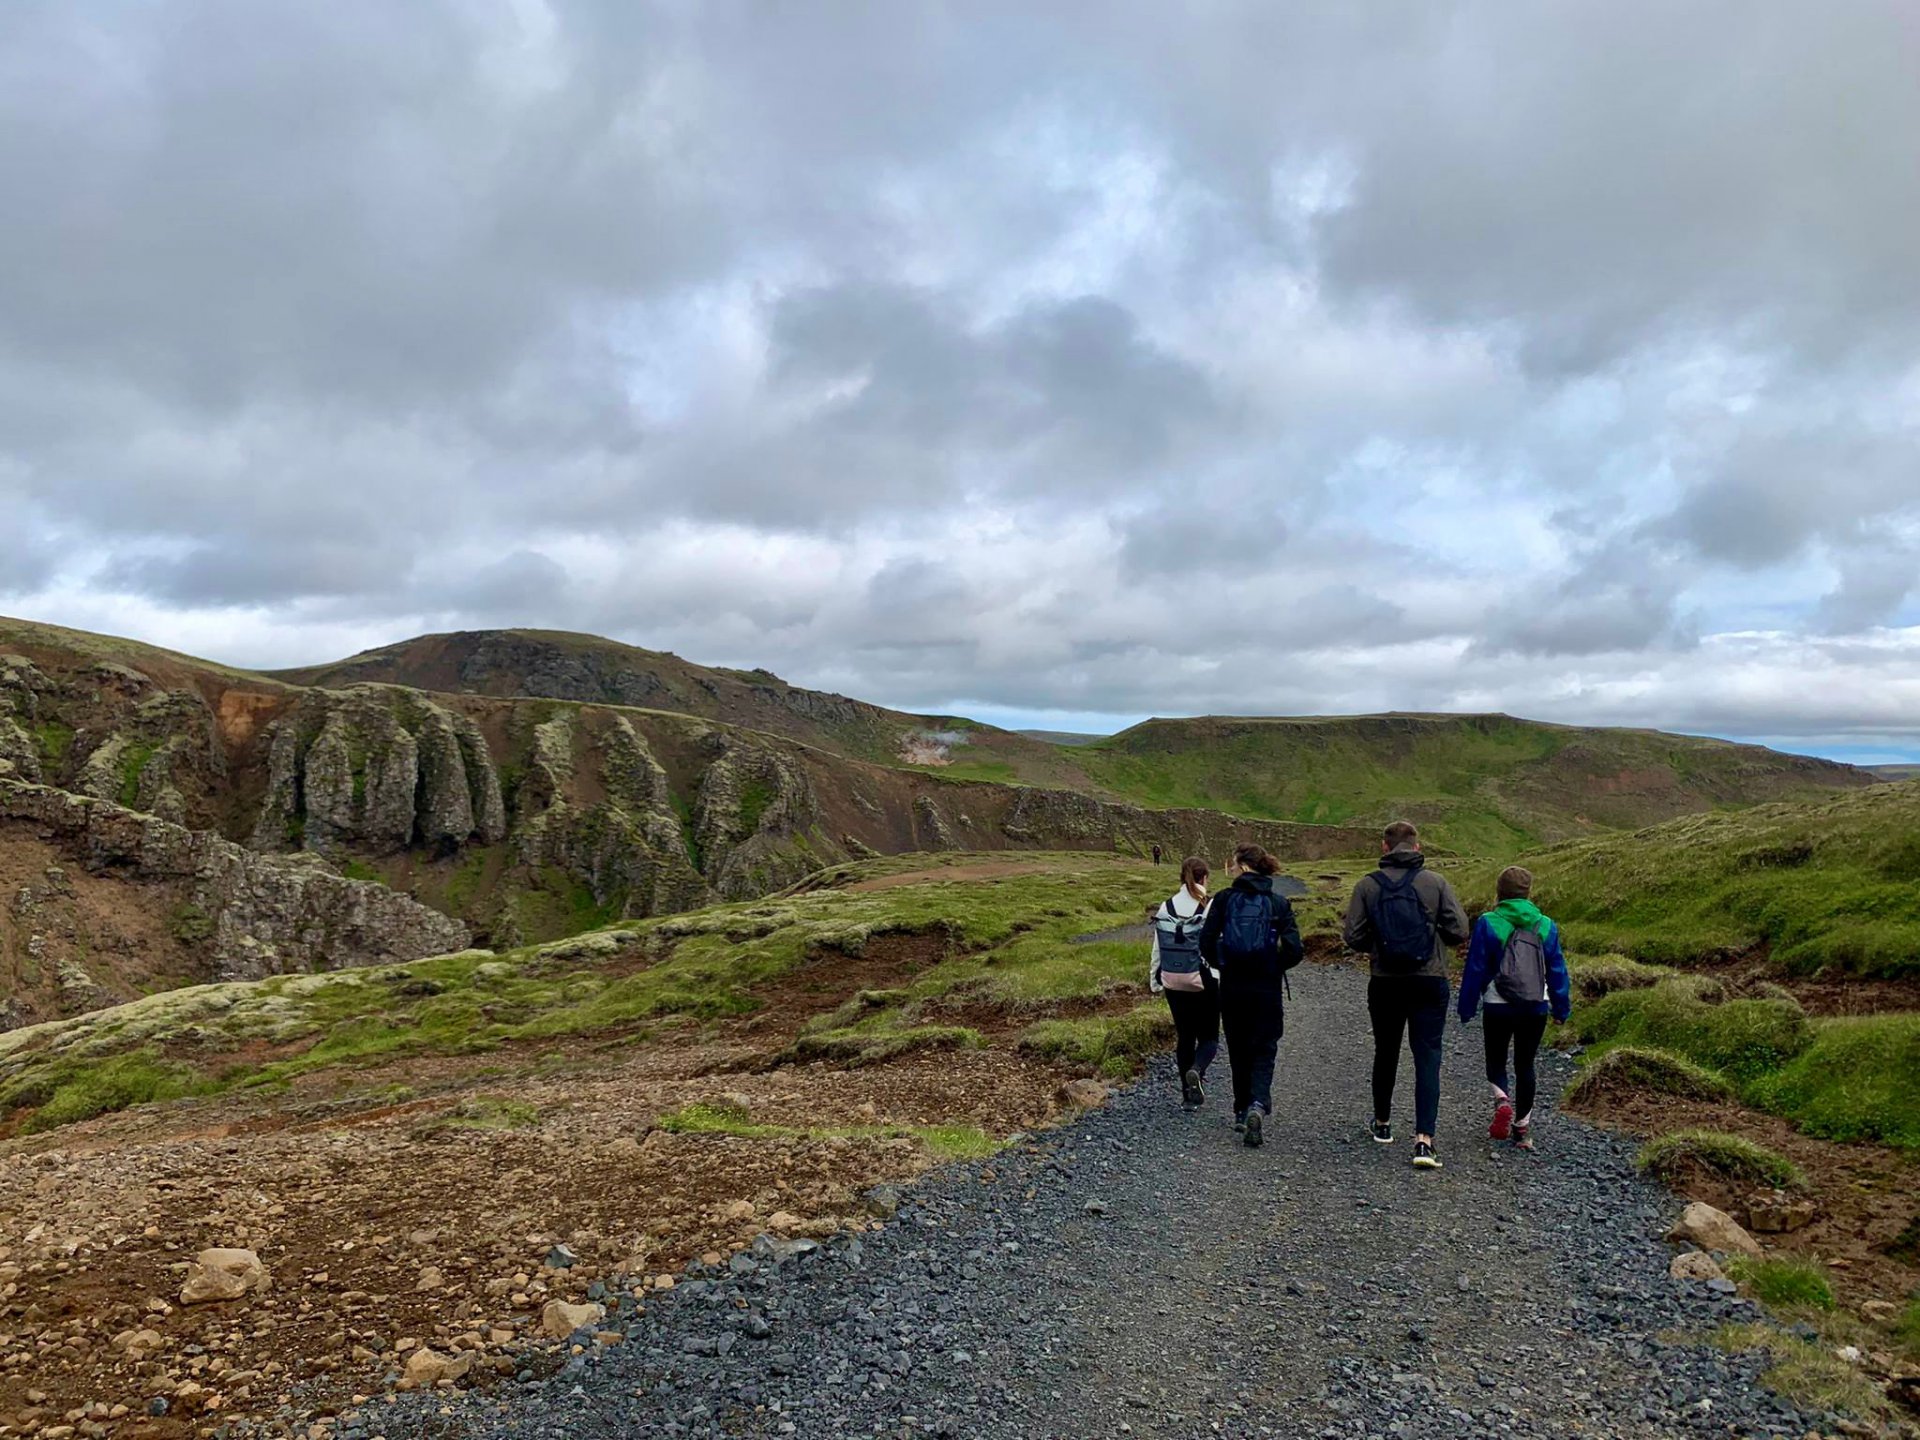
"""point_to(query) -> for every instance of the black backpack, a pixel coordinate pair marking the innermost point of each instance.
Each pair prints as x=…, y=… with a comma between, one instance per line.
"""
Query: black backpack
x=1522, y=977
x=1403, y=932
x=1252, y=928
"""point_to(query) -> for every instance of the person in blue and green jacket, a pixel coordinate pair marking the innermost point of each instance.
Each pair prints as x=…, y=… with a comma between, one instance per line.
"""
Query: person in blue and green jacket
x=1516, y=970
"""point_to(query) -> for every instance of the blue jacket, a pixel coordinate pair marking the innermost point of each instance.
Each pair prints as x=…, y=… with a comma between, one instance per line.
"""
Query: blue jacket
x=1489, y=942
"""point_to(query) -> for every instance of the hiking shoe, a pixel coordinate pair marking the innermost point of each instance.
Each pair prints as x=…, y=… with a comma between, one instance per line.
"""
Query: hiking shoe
x=1239, y=1119
x=1523, y=1137
x=1193, y=1093
x=1502, y=1125
x=1256, y=1126
x=1423, y=1156
x=1383, y=1132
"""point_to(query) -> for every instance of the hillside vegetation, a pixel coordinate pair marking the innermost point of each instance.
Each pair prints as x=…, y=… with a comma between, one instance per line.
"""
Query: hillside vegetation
x=1481, y=784
x=999, y=949
x=1831, y=885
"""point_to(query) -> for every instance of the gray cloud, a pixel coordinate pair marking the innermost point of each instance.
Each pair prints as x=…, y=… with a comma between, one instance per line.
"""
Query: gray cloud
x=948, y=354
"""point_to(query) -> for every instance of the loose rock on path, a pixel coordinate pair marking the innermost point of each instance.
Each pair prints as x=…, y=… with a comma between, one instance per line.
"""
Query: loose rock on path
x=1140, y=1272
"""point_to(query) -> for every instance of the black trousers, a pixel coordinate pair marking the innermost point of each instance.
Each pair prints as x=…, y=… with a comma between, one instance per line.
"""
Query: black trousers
x=1254, y=1021
x=1506, y=1026
x=1414, y=1006
x=1196, y=1024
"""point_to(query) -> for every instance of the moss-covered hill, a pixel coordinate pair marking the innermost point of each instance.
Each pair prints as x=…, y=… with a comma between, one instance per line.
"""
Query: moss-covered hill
x=587, y=669
x=1833, y=884
x=1482, y=784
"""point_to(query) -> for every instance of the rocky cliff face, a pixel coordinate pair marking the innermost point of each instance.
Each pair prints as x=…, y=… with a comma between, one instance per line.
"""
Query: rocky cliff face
x=381, y=770
x=597, y=807
x=227, y=912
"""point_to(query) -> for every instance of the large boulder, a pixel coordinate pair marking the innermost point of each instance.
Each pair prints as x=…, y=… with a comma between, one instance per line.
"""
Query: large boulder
x=1700, y=1224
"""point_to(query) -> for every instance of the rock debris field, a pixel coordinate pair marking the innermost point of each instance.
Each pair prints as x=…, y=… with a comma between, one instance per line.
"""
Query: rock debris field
x=1140, y=1272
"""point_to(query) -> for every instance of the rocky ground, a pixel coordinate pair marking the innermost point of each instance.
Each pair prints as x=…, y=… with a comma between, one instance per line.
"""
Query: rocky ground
x=1140, y=1272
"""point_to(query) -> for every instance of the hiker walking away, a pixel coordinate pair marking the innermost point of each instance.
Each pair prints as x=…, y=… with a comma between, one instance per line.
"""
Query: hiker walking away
x=1156, y=857
x=1516, y=970
x=1252, y=939
x=1181, y=973
x=1406, y=917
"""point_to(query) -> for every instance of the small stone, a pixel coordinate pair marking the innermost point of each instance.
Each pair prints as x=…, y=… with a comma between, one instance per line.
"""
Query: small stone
x=430, y=1278
x=1774, y=1212
x=223, y=1274
x=562, y=1257
x=1695, y=1265
x=425, y=1367
x=560, y=1319
x=1700, y=1224
x=1084, y=1094
x=1095, y=1207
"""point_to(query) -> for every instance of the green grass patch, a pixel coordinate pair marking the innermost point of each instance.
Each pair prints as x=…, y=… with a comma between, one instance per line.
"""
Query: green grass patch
x=189, y=924
x=133, y=764
x=354, y=869
x=1742, y=1039
x=755, y=797
x=1635, y=1068
x=71, y=1092
x=1674, y=1156
x=55, y=739
x=1822, y=885
x=1858, y=1080
x=1114, y=1045
x=1805, y=1372
x=1784, y=1283
x=1594, y=977
x=1907, y=1327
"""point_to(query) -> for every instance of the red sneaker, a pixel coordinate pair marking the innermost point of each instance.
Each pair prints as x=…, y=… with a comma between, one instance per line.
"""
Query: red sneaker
x=1502, y=1125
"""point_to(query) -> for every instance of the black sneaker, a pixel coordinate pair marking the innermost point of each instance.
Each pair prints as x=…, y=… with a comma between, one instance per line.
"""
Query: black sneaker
x=1256, y=1123
x=1423, y=1156
x=1193, y=1093
x=1383, y=1132
x=1239, y=1119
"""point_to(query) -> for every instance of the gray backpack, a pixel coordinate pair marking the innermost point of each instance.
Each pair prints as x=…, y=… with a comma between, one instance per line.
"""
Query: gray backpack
x=1181, y=967
x=1522, y=977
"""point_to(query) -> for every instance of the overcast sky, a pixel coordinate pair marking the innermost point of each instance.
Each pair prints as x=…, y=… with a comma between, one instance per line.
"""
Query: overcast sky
x=1059, y=363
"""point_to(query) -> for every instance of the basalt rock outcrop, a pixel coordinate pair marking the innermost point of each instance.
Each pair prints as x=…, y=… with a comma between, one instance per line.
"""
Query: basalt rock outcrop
x=381, y=770
x=246, y=915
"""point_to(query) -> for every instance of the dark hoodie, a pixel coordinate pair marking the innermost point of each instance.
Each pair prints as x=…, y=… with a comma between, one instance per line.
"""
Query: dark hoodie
x=1242, y=973
x=1436, y=895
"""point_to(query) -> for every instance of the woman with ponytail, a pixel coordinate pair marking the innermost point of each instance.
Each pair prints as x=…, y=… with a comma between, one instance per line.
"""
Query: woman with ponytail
x=1178, y=971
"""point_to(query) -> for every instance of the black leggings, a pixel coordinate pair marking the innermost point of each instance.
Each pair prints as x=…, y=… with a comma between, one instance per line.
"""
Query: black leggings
x=1196, y=1021
x=1254, y=1022
x=1413, y=1006
x=1507, y=1026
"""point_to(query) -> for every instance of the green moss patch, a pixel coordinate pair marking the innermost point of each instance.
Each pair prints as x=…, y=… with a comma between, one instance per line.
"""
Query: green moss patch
x=1115, y=1046
x=1733, y=1158
x=1742, y=1039
x=1635, y=1068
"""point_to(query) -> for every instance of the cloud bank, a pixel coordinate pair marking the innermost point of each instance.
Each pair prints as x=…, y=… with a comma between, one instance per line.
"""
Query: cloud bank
x=1050, y=361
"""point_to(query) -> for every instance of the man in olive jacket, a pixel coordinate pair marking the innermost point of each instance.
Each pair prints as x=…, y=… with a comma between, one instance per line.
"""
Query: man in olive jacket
x=1406, y=918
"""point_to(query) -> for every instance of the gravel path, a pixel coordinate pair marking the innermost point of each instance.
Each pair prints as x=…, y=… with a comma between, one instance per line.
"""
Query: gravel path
x=1141, y=1272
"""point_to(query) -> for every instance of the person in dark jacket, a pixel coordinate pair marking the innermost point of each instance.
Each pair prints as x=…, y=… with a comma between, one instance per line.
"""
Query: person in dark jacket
x=1516, y=1021
x=1252, y=939
x=1408, y=992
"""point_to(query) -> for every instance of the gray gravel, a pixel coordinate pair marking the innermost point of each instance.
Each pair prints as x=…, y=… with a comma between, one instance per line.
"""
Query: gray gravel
x=1140, y=1272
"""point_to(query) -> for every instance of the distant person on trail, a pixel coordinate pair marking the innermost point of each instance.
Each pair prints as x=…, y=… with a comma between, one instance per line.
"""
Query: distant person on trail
x=1156, y=854
x=1406, y=917
x=1252, y=939
x=1516, y=970
x=1181, y=973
